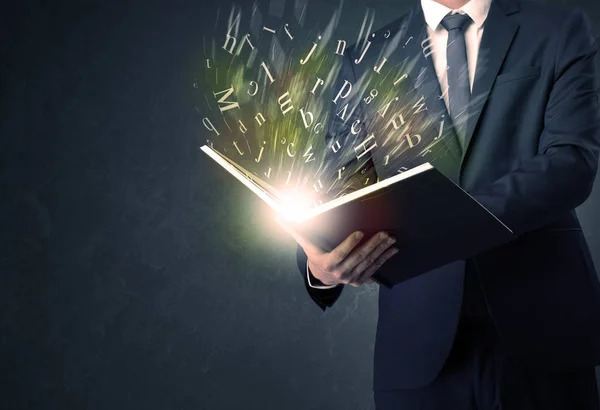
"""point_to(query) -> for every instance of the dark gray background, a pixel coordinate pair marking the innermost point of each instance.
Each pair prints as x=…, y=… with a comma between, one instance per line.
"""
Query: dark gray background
x=131, y=275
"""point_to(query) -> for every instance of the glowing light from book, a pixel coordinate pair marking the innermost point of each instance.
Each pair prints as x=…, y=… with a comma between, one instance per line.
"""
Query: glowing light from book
x=295, y=204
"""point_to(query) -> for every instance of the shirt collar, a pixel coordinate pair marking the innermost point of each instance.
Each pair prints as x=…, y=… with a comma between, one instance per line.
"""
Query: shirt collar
x=434, y=12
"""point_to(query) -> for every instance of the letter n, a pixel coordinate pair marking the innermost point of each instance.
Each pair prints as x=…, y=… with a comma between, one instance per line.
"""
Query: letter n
x=341, y=47
x=233, y=41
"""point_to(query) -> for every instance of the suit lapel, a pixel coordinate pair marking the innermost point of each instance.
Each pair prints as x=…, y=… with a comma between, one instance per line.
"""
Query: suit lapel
x=423, y=78
x=498, y=34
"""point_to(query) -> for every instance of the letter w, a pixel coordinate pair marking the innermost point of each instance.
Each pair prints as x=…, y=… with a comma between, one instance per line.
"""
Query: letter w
x=226, y=105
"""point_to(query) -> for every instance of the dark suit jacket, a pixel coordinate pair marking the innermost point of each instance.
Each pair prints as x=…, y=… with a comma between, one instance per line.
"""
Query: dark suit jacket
x=533, y=141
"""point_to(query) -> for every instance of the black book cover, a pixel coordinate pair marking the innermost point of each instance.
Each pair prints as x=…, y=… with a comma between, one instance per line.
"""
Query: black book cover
x=434, y=221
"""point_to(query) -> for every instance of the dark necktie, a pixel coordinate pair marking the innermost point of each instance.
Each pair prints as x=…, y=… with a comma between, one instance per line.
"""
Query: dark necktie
x=459, y=95
x=459, y=92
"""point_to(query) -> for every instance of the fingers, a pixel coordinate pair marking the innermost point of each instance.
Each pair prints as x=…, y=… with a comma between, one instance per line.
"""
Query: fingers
x=363, y=254
x=341, y=252
x=372, y=257
x=347, y=263
x=307, y=245
x=329, y=263
x=365, y=276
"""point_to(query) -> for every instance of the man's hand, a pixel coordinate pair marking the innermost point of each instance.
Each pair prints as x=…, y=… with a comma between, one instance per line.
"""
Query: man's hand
x=347, y=263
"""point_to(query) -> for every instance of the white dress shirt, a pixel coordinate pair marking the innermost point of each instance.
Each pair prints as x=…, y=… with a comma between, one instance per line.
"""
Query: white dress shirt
x=316, y=286
x=434, y=13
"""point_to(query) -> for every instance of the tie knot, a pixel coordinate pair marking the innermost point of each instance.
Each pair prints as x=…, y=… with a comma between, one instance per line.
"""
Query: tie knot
x=457, y=20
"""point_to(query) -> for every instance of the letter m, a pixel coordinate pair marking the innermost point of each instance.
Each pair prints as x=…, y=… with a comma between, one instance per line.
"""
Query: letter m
x=225, y=105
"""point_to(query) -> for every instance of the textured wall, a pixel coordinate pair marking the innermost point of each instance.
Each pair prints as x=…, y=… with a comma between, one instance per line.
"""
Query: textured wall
x=129, y=277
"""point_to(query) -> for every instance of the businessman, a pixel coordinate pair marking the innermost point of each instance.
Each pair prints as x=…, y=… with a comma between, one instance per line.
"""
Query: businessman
x=516, y=326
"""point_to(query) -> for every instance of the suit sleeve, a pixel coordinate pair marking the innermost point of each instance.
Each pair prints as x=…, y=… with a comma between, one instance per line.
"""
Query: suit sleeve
x=324, y=298
x=339, y=132
x=561, y=176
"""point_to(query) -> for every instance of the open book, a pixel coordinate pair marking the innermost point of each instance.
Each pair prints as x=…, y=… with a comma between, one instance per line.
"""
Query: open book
x=434, y=221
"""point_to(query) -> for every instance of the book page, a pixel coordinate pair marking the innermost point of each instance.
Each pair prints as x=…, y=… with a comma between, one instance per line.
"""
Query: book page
x=274, y=192
x=367, y=190
x=242, y=176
